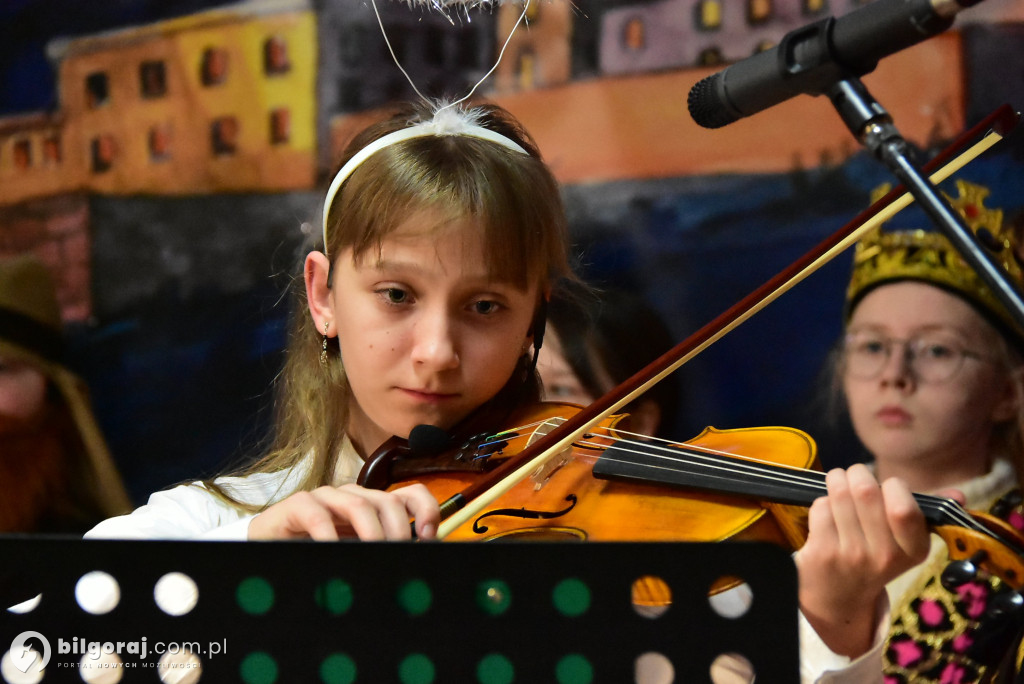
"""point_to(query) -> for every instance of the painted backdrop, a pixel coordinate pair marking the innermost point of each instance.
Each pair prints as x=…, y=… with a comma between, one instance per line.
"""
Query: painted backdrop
x=167, y=161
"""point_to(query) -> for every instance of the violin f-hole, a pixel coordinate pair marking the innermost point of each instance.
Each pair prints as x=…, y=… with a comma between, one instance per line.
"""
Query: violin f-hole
x=525, y=513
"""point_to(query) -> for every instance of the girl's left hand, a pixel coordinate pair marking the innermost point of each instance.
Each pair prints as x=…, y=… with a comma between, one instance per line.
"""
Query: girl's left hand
x=861, y=536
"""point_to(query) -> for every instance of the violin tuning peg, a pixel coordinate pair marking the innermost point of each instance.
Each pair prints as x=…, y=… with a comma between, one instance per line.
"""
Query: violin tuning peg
x=958, y=573
x=1007, y=605
x=1008, y=502
x=998, y=627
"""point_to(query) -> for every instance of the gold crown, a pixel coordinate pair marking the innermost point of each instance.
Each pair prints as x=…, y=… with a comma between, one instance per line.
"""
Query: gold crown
x=929, y=256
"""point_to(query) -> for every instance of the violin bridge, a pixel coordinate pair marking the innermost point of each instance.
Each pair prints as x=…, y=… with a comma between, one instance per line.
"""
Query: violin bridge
x=542, y=474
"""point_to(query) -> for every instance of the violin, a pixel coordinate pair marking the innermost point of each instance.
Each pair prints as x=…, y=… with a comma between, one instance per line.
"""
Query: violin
x=598, y=491
x=612, y=485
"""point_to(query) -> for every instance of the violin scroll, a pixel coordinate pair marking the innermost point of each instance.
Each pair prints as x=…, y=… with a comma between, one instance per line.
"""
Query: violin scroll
x=995, y=546
x=998, y=608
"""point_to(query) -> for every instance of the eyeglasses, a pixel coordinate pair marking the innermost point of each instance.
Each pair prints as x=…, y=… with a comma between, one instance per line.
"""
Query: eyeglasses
x=934, y=357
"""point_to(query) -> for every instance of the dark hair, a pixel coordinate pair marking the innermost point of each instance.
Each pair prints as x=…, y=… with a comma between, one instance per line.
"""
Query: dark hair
x=614, y=333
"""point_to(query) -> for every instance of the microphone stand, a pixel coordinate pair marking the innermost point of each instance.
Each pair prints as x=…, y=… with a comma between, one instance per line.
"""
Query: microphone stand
x=874, y=128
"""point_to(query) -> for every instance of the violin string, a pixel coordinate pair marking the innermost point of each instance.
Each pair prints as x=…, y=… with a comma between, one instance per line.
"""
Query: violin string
x=942, y=509
x=718, y=460
x=730, y=464
x=519, y=432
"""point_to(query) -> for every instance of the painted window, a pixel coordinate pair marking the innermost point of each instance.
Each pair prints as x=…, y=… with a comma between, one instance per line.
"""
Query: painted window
x=159, y=142
x=532, y=12
x=153, y=79
x=51, y=150
x=711, y=56
x=275, y=56
x=468, y=46
x=102, y=151
x=527, y=69
x=214, y=69
x=97, y=89
x=634, y=35
x=280, y=126
x=350, y=94
x=759, y=11
x=708, y=15
x=398, y=39
x=396, y=88
x=352, y=45
x=224, y=135
x=434, y=46
x=23, y=154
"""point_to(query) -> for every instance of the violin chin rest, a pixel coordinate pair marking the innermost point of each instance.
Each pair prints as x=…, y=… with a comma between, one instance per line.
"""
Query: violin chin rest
x=428, y=440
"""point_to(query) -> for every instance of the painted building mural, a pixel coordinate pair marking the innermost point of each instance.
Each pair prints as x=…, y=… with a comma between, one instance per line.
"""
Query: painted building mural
x=174, y=183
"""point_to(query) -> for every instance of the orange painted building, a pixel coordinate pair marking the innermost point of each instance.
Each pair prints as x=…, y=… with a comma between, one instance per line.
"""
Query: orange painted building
x=32, y=156
x=221, y=101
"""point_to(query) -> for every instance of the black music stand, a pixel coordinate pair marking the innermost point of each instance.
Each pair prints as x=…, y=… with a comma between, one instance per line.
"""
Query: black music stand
x=410, y=613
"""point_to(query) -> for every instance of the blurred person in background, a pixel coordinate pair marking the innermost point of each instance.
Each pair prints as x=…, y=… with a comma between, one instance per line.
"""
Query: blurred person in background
x=56, y=473
x=930, y=371
x=594, y=342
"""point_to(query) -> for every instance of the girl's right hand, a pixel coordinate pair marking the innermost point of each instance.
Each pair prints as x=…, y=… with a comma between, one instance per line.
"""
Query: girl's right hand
x=350, y=511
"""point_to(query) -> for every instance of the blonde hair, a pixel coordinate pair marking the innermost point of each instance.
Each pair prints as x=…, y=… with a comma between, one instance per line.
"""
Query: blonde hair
x=513, y=197
x=1008, y=436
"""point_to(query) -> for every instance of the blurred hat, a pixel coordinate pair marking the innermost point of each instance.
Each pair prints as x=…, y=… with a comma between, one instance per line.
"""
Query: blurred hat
x=31, y=328
x=32, y=331
x=928, y=256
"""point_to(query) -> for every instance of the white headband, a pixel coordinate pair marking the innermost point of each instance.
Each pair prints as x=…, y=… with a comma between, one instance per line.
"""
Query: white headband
x=446, y=121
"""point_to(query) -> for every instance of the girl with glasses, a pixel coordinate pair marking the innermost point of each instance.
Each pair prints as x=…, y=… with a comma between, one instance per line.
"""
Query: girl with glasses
x=930, y=368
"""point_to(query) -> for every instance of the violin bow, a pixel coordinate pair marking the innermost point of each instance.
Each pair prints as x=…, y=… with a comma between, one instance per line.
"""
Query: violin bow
x=458, y=509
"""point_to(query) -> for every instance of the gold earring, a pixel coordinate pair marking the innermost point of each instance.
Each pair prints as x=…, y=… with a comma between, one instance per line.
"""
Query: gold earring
x=323, y=347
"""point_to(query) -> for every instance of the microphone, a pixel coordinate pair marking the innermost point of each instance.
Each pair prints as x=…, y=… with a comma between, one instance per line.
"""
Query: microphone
x=810, y=59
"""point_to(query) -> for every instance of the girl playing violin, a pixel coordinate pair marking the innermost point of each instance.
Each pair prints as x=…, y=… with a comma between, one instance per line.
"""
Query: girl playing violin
x=931, y=372
x=443, y=234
